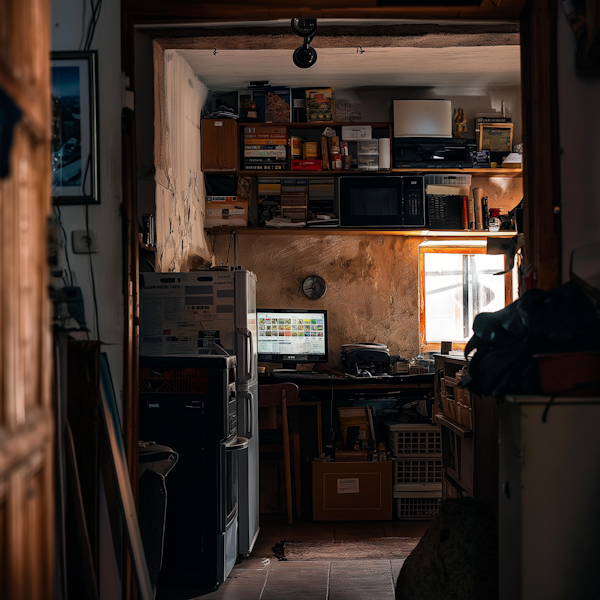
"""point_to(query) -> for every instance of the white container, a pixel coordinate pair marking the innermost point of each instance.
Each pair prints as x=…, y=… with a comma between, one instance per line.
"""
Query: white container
x=384, y=154
x=414, y=440
x=367, y=147
x=368, y=162
x=357, y=132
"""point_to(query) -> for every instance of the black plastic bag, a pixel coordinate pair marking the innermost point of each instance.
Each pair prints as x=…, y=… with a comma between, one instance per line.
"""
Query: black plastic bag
x=561, y=320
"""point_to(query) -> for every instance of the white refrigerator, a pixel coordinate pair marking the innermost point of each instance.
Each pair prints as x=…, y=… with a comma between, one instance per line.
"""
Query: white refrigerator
x=198, y=313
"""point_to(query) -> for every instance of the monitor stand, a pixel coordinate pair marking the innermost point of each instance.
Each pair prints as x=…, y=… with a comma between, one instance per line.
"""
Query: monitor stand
x=287, y=367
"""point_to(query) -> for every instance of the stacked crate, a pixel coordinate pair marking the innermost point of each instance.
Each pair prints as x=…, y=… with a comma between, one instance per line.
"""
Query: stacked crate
x=417, y=469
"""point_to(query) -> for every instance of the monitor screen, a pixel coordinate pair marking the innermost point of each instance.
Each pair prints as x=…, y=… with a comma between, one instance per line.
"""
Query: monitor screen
x=292, y=335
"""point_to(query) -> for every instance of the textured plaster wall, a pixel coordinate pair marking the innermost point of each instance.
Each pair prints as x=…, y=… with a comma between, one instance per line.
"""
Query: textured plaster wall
x=372, y=283
x=181, y=242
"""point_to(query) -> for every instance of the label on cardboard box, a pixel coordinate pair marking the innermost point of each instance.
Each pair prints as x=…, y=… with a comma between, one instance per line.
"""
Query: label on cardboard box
x=225, y=210
x=348, y=486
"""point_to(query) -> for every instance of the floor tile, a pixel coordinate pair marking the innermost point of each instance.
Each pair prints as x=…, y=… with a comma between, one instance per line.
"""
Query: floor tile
x=405, y=528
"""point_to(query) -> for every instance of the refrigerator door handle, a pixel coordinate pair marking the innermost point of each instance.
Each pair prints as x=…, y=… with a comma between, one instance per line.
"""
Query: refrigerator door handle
x=249, y=346
x=250, y=413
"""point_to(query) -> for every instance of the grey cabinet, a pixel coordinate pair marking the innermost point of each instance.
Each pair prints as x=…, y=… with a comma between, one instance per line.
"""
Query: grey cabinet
x=549, y=498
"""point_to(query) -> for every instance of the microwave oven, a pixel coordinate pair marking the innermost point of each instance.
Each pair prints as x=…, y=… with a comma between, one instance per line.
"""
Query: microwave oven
x=383, y=201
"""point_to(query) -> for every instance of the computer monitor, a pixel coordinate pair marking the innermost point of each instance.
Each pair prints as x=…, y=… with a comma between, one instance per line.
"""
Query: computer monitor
x=292, y=336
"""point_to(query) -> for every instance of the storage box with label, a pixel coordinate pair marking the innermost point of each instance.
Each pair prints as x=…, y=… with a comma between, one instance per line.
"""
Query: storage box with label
x=225, y=211
x=352, y=491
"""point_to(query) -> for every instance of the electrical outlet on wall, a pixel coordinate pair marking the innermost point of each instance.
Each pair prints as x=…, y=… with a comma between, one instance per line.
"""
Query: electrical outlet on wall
x=85, y=241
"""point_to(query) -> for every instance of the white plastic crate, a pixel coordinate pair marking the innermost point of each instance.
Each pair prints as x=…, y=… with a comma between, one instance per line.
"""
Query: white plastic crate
x=418, y=471
x=407, y=439
x=417, y=507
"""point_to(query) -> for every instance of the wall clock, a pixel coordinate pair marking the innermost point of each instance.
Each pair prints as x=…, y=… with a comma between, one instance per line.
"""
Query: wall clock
x=314, y=287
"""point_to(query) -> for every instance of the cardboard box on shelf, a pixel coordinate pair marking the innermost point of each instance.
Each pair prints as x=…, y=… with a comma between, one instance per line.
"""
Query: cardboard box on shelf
x=352, y=491
x=225, y=211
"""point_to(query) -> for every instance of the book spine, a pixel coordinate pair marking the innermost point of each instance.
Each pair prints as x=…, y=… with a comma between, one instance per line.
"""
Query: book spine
x=263, y=159
x=265, y=142
x=486, y=214
x=266, y=147
x=264, y=152
x=269, y=167
x=471, y=212
x=265, y=135
x=465, y=212
x=477, y=199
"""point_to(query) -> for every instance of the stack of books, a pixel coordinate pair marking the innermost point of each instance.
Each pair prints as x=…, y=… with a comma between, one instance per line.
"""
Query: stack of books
x=294, y=199
x=321, y=194
x=264, y=148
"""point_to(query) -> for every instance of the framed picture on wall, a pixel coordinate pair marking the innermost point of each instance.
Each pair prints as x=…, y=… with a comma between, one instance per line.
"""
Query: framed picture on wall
x=75, y=127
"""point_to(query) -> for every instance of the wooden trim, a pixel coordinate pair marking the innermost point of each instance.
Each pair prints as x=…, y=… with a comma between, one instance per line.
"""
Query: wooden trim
x=508, y=289
x=131, y=247
x=156, y=11
x=539, y=90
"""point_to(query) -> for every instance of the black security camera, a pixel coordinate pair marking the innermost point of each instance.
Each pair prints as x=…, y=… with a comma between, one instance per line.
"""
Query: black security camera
x=305, y=28
x=305, y=56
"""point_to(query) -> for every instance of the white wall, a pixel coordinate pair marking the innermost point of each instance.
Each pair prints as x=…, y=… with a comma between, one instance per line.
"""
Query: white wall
x=180, y=194
x=579, y=103
x=67, y=28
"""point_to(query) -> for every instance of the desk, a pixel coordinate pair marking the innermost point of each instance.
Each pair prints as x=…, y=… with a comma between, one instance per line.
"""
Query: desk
x=313, y=392
x=398, y=382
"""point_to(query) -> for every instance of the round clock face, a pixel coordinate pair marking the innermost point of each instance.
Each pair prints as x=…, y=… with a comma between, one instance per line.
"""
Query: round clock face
x=314, y=287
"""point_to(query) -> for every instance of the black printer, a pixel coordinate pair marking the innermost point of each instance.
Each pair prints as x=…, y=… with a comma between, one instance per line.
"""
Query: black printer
x=433, y=153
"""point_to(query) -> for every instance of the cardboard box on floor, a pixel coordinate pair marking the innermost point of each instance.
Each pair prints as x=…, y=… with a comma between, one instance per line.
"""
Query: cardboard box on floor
x=357, y=491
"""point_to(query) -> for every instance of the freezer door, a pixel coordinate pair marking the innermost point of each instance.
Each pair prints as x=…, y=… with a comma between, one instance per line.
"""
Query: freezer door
x=245, y=318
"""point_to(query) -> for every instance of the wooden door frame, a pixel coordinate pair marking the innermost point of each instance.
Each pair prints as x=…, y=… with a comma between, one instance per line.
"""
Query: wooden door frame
x=540, y=130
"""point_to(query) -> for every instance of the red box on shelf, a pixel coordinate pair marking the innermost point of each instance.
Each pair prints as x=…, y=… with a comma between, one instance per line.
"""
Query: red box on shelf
x=307, y=165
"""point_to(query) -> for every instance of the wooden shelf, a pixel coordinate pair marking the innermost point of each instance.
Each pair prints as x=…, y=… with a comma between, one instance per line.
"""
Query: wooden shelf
x=473, y=172
x=322, y=231
x=317, y=125
x=306, y=174
x=147, y=248
x=309, y=174
x=455, y=427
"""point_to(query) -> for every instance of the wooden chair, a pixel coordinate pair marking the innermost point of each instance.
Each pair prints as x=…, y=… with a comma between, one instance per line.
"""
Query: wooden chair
x=269, y=398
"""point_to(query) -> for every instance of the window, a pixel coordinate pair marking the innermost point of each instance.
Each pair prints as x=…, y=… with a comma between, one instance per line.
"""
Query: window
x=456, y=283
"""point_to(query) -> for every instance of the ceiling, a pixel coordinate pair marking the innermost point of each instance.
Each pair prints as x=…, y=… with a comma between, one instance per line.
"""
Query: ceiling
x=447, y=68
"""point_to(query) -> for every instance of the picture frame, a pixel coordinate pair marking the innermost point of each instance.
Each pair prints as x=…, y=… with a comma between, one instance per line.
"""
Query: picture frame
x=495, y=137
x=74, y=78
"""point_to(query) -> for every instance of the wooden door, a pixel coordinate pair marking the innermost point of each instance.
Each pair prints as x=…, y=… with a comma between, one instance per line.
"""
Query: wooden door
x=219, y=145
x=26, y=424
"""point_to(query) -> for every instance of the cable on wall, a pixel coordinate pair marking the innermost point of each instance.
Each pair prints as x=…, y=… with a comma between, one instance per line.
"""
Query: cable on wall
x=91, y=28
x=69, y=282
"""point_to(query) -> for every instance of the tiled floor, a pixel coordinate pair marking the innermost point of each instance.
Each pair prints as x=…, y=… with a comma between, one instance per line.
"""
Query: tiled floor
x=262, y=577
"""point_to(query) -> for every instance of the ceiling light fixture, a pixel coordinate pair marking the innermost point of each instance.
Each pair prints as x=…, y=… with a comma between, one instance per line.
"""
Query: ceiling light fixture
x=304, y=56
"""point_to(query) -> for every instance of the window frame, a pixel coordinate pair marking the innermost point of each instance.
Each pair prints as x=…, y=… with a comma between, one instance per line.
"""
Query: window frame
x=450, y=249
